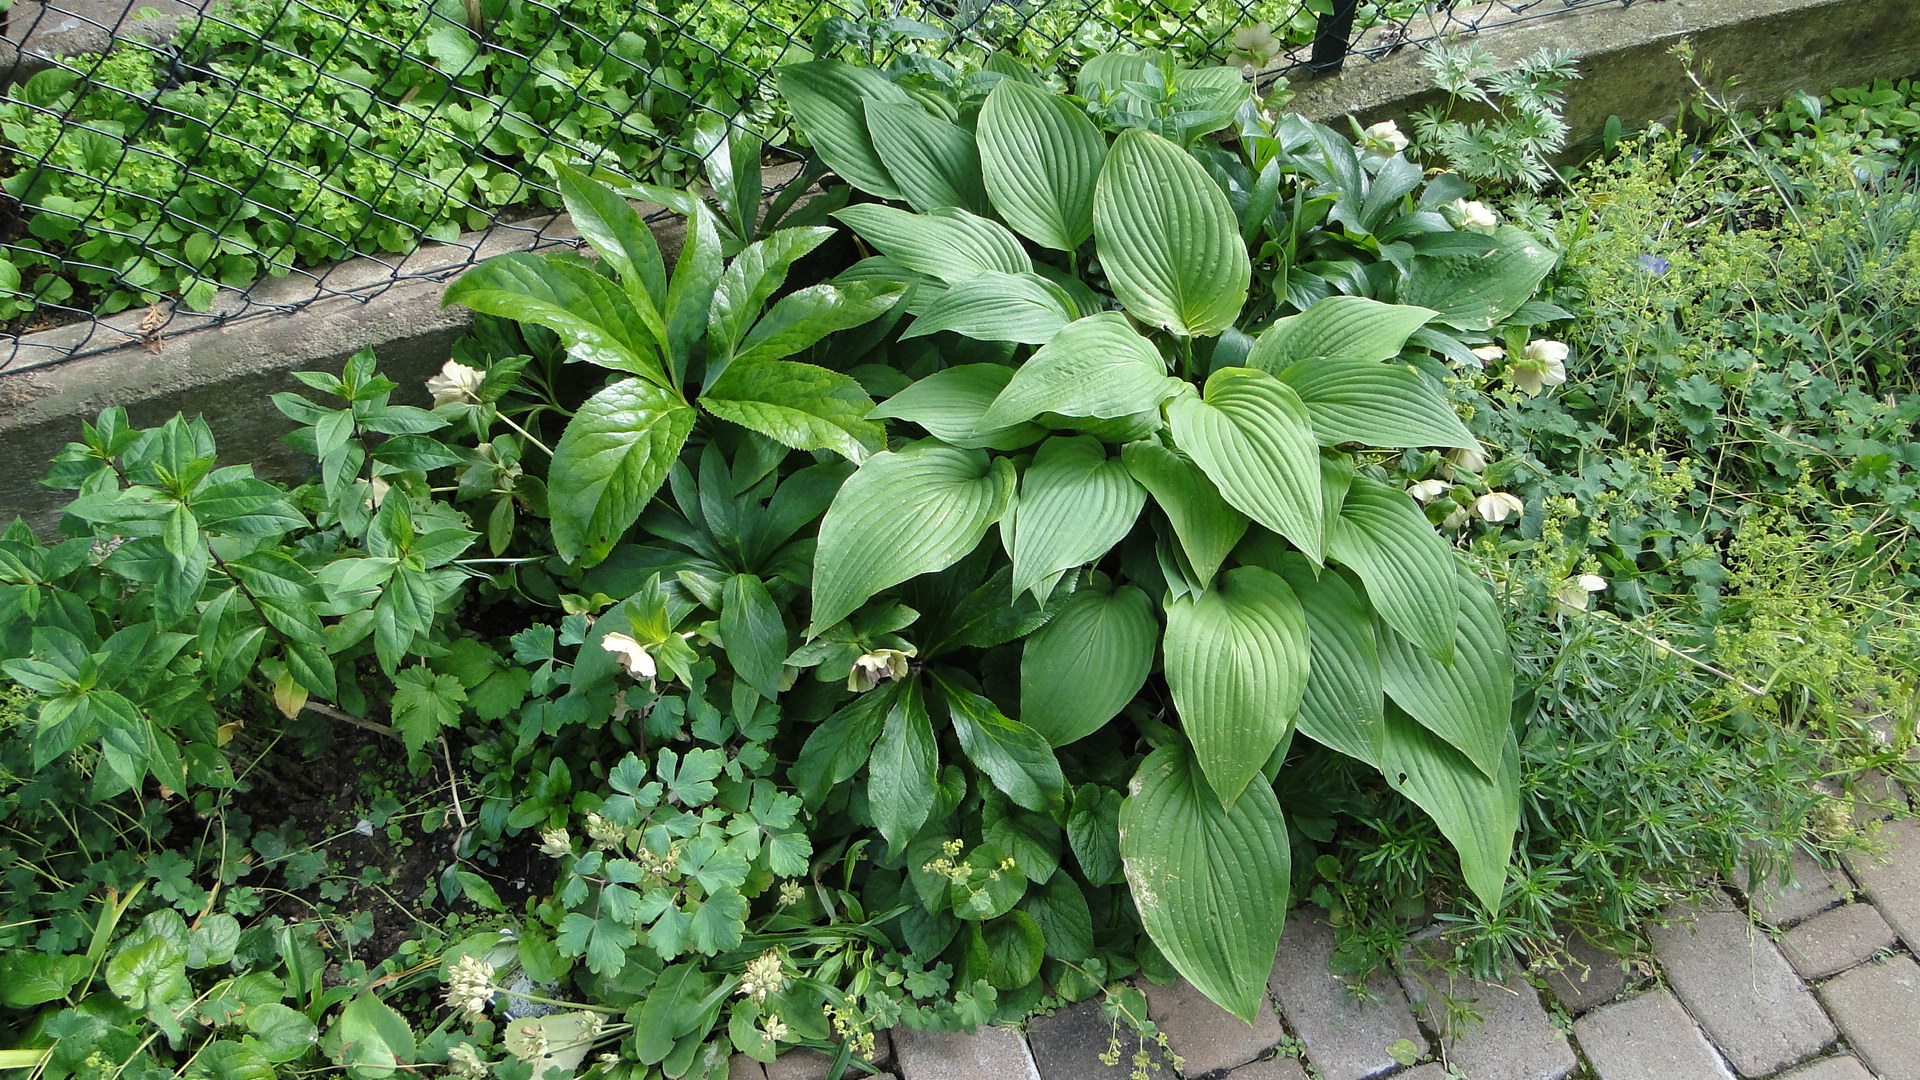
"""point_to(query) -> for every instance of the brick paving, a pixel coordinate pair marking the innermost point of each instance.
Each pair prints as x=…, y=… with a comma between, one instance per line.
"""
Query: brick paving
x=1810, y=982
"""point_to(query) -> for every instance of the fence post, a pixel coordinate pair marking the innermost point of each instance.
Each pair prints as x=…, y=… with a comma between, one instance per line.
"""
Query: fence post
x=1331, y=37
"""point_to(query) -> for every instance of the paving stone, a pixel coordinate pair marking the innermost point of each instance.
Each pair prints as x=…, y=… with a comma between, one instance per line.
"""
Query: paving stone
x=1276, y=1068
x=1894, y=884
x=1878, y=1007
x=1649, y=1037
x=1432, y=1070
x=991, y=1053
x=1736, y=983
x=1842, y=938
x=1833, y=1068
x=1207, y=1036
x=1812, y=892
x=1590, y=976
x=742, y=1067
x=1514, y=1039
x=1346, y=1035
x=1068, y=1045
x=804, y=1063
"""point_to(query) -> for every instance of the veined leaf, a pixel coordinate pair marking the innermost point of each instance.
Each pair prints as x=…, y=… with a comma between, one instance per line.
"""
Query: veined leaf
x=904, y=513
x=1078, y=671
x=829, y=99
x=754, y=275
x=1478, y=813
x=901, y=774
x=755, y=635
x=1342, y=705
x=1237, y=660
x=1040, y=157
x=1025, y=308
x=611, y=459
x=1014, y=756
x=1338, y=328
x=690, y=297
x=1168, y=238
x=1476, y=292
x=1210, y=881
x=1206, y=526
x=1074, y=504
x=1379, y=404
x=1096, y=366
x=1466, y=702
x=1253, y=438
x=932, y=162
x=1408, y=570
x=596, y=322
x=950, y=404
x=617, y=232
x=803, y=406
x=948, y=243
x=803, y=317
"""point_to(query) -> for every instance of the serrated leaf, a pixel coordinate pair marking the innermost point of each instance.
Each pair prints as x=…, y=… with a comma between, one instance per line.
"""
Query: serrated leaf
x=1024, y=308
x=932, y=162
x=1379, y=404
x=750, y=280
x=802, y=406
x=1237, y=660
x=804, y=316
x=904, y=513
x=950, y=404
x=1167, y=237
x=424, y=705
x=1210, y=883
x=1014, y=756
x=755, y=635
x=1097, y=366
x=1408, y=570
x=828, y=99
x=1078, y=671
x=374, y=1040
x=617, y=232
x=1205, y=525
x=1477, y=812
x=1466, y=702
x=1253, y=438
x=949, y=244
x=1338, y=328
x=609, y=462
x=1040, y=157
x=596, y=322
x=901, y=773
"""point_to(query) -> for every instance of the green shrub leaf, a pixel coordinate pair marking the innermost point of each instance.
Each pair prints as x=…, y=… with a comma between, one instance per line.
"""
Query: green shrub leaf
x=1466, y=702
x=597, y=322
x=952, y=404
x=1342, y=705
x=1205, y=525
x=949, y=244
x=828, y=99
x=1097, y=366
x=1014, y=756
x=900, y=776
x=1380, y=404
x=1476, y=292
x=802, y=406
x=1168, y=238
x=1253, y=438
x=1078, y=671
x=1040, y=157
x=1478, y=812
x=1024, y=308
x=615, y=229
x=609, y=462
x=932, y=162
x=1338, y=328
x=1074, y=504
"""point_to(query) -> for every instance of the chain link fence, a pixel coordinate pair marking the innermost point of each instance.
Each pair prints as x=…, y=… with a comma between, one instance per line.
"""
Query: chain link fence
x=163, y=170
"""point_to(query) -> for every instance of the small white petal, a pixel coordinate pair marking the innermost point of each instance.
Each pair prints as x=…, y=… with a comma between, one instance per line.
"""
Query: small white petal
x=633, y=655
x=1498, y=506
x=1426, y=491
x=1592, y=582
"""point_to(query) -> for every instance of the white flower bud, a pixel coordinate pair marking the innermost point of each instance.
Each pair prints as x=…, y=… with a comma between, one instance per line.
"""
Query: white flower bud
x=1426, y=491
x=1475, y=216
x=1384, y=138
x=457, y=384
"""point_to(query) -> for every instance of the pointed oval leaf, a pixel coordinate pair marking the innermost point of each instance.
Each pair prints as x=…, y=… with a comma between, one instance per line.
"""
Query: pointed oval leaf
x=1476, y=292
x=1206, y=526
x=596, y=322
x=1074, y=504
x=1006, y=951
x=932, y=162
x=1379, y=404
x=950, y=404
x=1167, y=237
x=900, y=775
x=828, y=99
x=1253, y=438
x=948, y=243
x=1477, y=812
x=750, y=280
x=1078, y=671
x=1014, y=756
x=616, y=230
x=1097, y=366
x=1024, y=308
x=1342, y=705
x=609, y=462
x=1040, y=157
x=1407, y=568
x=802, y=406
x=1237, y=660
x=904, y=513
x=804, y=316
x=1211, y=883
x=1466, y=702
x=1338, y=328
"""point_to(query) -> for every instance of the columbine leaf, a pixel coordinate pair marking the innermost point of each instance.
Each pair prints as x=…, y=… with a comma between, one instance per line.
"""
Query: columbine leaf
x=828, y=99
x=1253, y=438
x=1466, y=702
x=1206, y=526
x=1168, y=238
x=1408, y=570
x=1096, y=366
x=1040, y=157
x=1078, y=671
x=424, y=705
x=803, y=406
x=932, y=162
x=609, y=462
x=1379, y=404
x=1074, y=504
x=948, y=244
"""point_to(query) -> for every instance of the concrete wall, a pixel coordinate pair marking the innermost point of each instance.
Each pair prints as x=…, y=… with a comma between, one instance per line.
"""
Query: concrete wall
x=227, y=372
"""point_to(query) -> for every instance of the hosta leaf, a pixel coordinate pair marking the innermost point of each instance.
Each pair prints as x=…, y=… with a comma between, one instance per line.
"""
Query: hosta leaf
x=949, y=244
x=1096, y=366
x=1014, y=756
x=610, y=461
x=1477, y=812
x=1342, y=705
x=1210, y=882
x=1074, y=504
x=1040, y=156
x=904, y=513
x=803, y=406
x=829, y=99
x=932, y=162
x=1167, y=237
x=1206, y=526
x=1338, y=328
x=1466, y=702
x=1237, y=660
x=596, y=322
x=1024, y=308
x=900, y=775
x=1078, y=671
x=950, y=404
x=1379, y=404
x=1408, y=570
x=1252, y=437
x=1476, y=292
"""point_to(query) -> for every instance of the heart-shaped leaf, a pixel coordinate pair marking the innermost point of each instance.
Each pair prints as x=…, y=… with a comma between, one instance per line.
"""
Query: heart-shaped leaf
x=1476, y=292
x=947, y=243
x=1024, y=308
x=1097, y=366
x=951, y=405
x=1338, y=328
x=932, y=162
x=1408, y=570
x=1074, y=504
x=1466, y=702
x=1342, y=705
x=1078, y=671
x=1253, y=438
x=1379, y=404
x=1477, y=812
x=829, y=99
x=1206, y=526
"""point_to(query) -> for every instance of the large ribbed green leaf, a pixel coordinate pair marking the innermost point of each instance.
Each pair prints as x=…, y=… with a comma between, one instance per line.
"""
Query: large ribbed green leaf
x=1040, y=156
x=1408, y=570
x=609, y=462
x=1476, y=292
x=1078, y=671
x=1477, y=813
x=1167, y=237
x=932, y=162
x=1074, y=504
x=904, y=513
x=829, y=99
x=950, y=404
x=1339, y=328
x=1342, y=706
x=1096, y=366
x=948, y=243
x=1379, y=404
x=1211, y=883
x=1237, y=659
x=1466, y=702
x=1252, y=437
x=1206, y=526
x=1024, y=308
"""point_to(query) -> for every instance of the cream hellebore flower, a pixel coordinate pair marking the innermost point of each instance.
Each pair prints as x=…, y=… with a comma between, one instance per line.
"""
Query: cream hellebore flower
x=1384, y=138
x=1542, y=363
x=1469, y=459
x=1498, y=506
x=1475, y=216
x=457, y=384
x=1575, y=595
x=880, y=665
x=1457, y=519
x=633, y=655
x=1489, y=353
x=1253, y=46
x=1426, y=491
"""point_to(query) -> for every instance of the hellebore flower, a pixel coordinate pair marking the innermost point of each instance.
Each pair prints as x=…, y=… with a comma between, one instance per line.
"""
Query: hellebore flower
x=457, y=384
x=1469, y=459
x=1383, y=138
x=1498, y=506
x=1542, y=363
x=880, y=665
x=1475, y=216
x=633, y=655
x=1426, y=491
x=1253, y=47
x=1574, y=596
